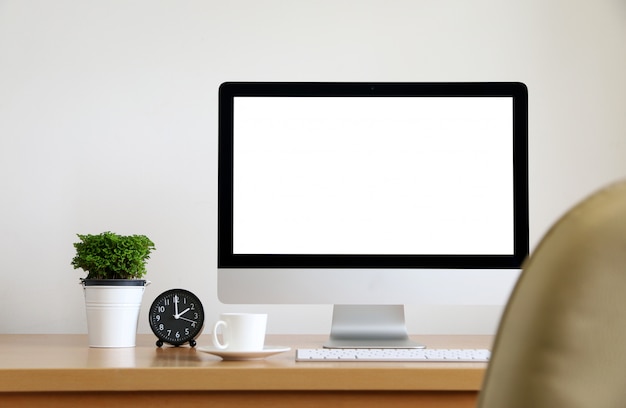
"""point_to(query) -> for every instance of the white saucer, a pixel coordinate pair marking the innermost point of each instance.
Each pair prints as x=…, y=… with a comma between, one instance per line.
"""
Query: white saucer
x=244, y=355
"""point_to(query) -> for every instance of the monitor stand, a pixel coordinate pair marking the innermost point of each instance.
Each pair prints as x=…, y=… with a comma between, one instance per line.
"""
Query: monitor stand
x=369, y=326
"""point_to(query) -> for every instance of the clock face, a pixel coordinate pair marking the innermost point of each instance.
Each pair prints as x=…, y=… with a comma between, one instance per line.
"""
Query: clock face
x=176, y=317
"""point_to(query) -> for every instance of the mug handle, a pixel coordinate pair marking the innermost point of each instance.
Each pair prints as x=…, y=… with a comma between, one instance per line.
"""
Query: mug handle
x=216, y=341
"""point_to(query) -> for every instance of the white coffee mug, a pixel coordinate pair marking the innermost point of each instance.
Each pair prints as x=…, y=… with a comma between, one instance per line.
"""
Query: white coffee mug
x=240, y=331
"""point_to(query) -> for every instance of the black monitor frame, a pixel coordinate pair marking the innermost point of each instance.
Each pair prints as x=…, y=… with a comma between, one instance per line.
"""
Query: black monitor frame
x=230, y=90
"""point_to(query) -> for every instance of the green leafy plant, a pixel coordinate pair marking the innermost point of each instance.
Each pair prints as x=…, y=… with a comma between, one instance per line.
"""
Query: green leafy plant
x=112, y=256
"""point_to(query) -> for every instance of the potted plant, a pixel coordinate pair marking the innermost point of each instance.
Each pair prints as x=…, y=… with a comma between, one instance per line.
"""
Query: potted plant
x=115, y=265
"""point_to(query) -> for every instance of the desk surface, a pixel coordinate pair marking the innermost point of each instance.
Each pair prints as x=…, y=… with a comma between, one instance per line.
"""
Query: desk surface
x=58, y=363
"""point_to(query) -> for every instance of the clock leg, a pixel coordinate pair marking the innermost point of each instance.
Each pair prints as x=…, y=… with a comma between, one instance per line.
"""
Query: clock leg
x=159, y=343
x=192, y=343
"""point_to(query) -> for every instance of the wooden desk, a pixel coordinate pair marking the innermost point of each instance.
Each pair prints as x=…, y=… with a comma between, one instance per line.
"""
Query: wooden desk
x=62, y=371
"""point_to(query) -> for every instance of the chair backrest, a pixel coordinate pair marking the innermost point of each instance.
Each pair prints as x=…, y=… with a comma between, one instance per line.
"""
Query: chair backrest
x=562, y=338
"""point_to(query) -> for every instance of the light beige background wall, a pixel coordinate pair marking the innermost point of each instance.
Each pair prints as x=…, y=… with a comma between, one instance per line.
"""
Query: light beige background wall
x=108, y=121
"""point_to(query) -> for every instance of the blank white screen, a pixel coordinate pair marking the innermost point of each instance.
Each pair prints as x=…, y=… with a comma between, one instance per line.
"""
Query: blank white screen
x=373, y=175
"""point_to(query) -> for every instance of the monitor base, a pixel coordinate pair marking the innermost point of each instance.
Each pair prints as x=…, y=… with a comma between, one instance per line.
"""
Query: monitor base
x=369, y=326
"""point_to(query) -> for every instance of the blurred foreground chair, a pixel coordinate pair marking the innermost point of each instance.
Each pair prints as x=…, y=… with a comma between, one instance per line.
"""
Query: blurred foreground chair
x=562, y=339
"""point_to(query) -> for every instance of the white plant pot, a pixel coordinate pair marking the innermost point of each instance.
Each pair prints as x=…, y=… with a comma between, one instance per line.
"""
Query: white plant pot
x=112, y=314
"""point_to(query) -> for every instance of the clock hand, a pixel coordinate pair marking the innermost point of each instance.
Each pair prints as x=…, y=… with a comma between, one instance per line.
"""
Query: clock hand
x=178, y=315
x=189, y=320
x=176, y=306
x=182, y=313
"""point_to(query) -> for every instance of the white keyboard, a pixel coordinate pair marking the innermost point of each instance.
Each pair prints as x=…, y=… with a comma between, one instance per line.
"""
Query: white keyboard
x=398, y=355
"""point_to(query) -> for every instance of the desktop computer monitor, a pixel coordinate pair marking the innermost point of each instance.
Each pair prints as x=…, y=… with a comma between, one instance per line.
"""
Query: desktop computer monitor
x=370, y=196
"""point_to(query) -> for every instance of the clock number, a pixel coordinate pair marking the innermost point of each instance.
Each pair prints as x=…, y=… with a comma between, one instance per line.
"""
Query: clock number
x=187, y=331
x=192, y=307
x=161, y=327
x=161, y=309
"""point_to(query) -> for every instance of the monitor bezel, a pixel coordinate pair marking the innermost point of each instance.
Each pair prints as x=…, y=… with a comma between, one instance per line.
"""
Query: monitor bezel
x=230, y=90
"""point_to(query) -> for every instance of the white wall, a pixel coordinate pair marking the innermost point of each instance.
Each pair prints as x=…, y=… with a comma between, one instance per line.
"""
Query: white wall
x=108, y=121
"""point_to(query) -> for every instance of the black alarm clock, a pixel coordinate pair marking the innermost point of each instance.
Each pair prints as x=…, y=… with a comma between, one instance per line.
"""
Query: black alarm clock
x=176, y=317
